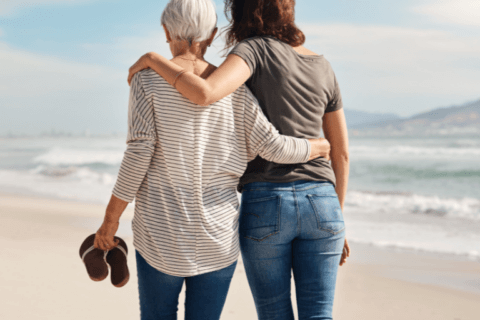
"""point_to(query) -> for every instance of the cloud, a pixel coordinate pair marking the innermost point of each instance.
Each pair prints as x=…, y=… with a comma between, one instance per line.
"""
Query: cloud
x=27, y=74
x=380, y=68
x=124, y=51
x=8, y=7
x=41, y=92
x=462, y=12
x=400, y=62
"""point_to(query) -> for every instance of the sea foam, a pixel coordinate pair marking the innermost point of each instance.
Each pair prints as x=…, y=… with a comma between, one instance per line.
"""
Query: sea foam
x=64, y=156
x=407, y=203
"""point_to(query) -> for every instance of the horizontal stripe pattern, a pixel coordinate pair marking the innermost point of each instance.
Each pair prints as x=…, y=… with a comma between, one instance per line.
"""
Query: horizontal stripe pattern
x=182, y=166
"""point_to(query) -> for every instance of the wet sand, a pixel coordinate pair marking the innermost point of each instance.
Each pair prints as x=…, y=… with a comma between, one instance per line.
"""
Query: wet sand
x=43, y=277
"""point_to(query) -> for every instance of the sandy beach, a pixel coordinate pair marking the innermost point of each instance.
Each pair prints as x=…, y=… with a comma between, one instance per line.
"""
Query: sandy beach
x=43, y=277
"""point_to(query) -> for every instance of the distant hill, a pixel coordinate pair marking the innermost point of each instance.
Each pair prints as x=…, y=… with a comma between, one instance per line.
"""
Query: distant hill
x=360, y=118
x=464, y=119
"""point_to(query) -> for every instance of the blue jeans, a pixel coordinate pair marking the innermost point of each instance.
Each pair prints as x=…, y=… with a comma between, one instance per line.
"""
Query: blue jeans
x=204, y=297
x=291, y=226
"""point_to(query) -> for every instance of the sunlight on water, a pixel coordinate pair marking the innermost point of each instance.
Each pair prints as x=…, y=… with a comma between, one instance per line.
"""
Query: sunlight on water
x=421, y=194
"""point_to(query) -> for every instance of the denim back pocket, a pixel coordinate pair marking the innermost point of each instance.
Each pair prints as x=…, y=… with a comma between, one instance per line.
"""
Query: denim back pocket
x=260, y=218
x=328, y=212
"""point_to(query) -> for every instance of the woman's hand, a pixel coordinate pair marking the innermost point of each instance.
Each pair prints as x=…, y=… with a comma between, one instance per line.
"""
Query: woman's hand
x=320, y=147
x=104, y=238
x=345, y=253
x=141, y=64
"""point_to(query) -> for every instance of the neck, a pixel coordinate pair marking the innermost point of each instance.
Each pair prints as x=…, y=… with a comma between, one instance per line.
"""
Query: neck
x=185, y=51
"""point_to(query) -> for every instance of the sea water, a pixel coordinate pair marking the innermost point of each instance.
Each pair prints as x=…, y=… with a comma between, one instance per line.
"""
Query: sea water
x=411, y=193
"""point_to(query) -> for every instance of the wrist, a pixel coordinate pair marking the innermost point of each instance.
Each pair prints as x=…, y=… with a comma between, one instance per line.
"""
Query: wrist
x=110, y=220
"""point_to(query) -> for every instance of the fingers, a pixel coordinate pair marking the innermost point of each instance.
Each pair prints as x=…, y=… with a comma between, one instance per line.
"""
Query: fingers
x=326, y=143
x=111, y=243
x=100, y=243
x=105, y=242
x=138, y=66
x=326, y=148
x=130, y=76
x=95, y=242
x=133, y=70
x=343, y=259
x=131, y=73
x=347, y=248
x=345, y=253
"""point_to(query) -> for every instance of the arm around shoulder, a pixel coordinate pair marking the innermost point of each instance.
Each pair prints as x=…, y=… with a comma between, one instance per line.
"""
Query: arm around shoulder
x=227, y=78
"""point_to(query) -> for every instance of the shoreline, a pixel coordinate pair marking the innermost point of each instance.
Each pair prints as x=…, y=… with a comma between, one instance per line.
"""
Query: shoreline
x=31, y=196
x=45, y=279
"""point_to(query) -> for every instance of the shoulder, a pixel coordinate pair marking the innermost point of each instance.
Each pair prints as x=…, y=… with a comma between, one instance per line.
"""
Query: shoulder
x=250, y=43
x=327, y=63
x=149, y=81
x=305, y=51
x=252, y=40
x=147, y=76
x=323, y=66
x=329, y=70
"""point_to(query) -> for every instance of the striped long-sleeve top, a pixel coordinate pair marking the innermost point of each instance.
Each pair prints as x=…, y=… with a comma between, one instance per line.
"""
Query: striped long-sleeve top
x=182, y=166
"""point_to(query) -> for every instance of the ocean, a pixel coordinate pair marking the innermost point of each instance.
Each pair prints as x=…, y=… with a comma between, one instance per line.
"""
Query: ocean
x=418, y=194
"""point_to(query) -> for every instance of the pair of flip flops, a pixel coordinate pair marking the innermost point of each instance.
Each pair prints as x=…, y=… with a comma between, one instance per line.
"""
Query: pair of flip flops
x=96, y=261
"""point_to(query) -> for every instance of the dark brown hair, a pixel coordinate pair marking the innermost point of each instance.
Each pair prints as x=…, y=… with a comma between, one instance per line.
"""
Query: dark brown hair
x=250, y=18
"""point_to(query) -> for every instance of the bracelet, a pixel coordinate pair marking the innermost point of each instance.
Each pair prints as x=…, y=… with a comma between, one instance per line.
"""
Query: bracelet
x=176, y=77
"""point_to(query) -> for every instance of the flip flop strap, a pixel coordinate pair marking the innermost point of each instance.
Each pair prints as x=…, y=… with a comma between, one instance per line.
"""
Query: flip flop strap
x=123, y=250
x=87, y=252
x=91, y=249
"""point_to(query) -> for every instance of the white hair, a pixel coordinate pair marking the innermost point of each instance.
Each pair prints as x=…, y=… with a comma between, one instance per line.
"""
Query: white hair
x=191, y=20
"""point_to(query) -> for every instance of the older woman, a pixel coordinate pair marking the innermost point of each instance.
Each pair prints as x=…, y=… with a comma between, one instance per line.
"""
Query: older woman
x=291, y=215
x=182, y=165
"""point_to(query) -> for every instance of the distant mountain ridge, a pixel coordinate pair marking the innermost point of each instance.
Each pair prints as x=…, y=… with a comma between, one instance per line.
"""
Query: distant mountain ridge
x=463, y=119
x=360, y=118
x=466, y=114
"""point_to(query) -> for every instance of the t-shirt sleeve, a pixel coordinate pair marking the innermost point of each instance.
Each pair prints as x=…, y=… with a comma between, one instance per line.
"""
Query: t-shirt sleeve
x=336, y=102
x=141, y=139
x=249, y=52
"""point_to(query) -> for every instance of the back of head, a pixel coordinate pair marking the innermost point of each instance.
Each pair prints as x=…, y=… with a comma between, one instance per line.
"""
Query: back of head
x=191, y=20
x=250, y=18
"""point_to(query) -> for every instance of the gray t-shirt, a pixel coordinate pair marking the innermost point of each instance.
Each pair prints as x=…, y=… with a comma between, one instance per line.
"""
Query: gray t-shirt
x=294, y=92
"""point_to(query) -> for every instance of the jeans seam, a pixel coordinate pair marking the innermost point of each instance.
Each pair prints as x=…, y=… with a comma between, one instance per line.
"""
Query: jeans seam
x=330, y=231
x=260, y=240
x=314, y=210
x=317, y=216
x=299, y=221
x=283, y=189
x=260, y=199
x=278, y=210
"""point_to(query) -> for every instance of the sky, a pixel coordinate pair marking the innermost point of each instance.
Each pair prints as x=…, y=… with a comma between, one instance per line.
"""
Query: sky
x=64, y=63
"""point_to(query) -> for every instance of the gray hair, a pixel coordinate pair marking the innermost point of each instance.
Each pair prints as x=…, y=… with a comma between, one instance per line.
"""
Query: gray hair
x=191, y=20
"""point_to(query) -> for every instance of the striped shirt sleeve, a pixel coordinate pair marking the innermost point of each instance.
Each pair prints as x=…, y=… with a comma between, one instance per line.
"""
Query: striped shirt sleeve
x=263, y=138
x=140, y=143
